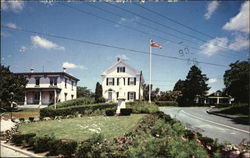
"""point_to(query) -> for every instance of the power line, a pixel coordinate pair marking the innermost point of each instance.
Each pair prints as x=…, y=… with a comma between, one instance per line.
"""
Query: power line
x=109, y=46
x=131, y=28
x=194, y=37
x=174, y=21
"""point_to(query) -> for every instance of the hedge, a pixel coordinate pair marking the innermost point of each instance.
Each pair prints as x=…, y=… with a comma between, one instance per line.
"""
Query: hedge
x=166, y=103
x=83, y=109
x=75, y=102
x=142, y=107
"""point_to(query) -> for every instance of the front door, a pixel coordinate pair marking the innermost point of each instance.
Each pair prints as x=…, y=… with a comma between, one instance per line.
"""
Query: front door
x=109, y=95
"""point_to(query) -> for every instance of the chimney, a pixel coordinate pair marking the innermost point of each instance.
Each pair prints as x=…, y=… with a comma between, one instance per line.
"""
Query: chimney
x=31, y=70
x=118, y=59
x=64, y=69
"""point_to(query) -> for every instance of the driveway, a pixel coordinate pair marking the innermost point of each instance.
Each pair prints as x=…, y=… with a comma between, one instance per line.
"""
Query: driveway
x=224, y=129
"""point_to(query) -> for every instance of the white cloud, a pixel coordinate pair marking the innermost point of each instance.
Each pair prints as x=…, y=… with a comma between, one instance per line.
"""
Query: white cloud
x=240, y=43
x=125, y=20
x=212, y=6
x=48, y=2
x=240, y=22
x=122, y=56
x=73, y=66
x=12, y=5
x=11, y=25
x=212, y=80
x=213, y=46
x=44, y=43
x=23, y=49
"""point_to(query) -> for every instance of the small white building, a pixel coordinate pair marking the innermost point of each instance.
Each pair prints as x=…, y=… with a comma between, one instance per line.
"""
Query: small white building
x=122, y=78
x=45, y=88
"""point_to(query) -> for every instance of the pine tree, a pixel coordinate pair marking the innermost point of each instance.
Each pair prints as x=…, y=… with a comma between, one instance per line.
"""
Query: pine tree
x=98, y=93
x=194, y=85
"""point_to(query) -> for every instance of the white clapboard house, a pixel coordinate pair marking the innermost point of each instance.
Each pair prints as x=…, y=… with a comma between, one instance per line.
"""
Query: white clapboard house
x=45, y=88
x=122, y=78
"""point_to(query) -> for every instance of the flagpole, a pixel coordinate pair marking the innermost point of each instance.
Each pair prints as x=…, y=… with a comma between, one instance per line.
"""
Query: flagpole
x=150, y=58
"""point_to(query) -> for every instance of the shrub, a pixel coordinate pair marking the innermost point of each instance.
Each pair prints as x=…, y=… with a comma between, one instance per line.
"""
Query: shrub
x=142, y=107
x=41, y=144
x=49, y=112
x=76, y=102
x=20, y=139
x=166, y=103
x=95, y=147
x=110, y=112
x=126, y=112
x=67, y=148
x=31, y=119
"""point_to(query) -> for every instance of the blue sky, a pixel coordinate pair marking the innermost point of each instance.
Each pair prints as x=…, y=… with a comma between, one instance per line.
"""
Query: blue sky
x=227, y=24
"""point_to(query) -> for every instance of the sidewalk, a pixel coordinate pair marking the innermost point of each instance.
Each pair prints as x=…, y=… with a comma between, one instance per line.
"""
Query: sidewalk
x=216, y=111
x=8, y=150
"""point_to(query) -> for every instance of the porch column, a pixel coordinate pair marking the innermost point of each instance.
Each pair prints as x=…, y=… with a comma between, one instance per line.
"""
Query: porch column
x=55, y=98
x=40, y=98
x=218, y=100
x=25, y=98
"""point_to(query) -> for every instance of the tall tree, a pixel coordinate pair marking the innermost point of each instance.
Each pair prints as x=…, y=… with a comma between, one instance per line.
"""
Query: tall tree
x=98, y=93
x=84, y=92
x=179, y=85
x=12, y=87
x=194, y=85
x=236, y=80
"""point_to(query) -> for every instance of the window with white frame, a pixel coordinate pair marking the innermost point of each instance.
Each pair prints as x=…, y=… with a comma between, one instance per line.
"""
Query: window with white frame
x=131, y=96
x=132, y=81
x=120, y=69
x=110, y=81
x=53, y=81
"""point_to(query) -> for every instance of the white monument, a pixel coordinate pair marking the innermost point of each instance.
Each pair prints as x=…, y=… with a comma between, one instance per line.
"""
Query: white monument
x=121, y=100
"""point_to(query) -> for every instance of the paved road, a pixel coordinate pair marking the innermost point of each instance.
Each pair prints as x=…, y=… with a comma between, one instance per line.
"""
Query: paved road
x=196, y=118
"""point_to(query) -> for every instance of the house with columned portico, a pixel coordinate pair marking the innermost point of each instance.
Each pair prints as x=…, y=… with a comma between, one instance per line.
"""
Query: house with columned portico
x=44, y=88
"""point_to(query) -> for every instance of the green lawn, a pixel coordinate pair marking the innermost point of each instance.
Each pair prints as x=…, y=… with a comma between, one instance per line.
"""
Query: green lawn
x=239, y=110
x=83, y=128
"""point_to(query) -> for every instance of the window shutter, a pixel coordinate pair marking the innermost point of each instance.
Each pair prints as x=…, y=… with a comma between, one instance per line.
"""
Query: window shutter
x=124, y=81
x=117, y=81
x=134, y=96
x=135, y=81
x=128, y=80
x=113, y=81
x=128, y=95
x=123, y=69
x=118, y=69
x=107, y=81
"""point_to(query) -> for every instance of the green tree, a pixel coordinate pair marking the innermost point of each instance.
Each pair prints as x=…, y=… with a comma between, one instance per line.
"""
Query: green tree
x=84, y=92
x=12, y=87
x=154, y=93
x=98, y=93
x=169, y=95
x=194, y=85
x=179, y=85
x=236, y=81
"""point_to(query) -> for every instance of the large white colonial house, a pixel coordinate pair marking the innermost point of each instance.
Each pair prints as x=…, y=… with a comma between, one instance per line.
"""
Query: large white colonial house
x=45, y=88
x=122, y=80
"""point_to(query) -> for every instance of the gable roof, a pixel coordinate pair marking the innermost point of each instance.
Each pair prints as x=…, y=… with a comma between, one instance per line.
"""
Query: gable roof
x=117, y=63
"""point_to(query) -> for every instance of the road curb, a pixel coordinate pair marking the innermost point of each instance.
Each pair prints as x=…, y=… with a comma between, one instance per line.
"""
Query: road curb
x=16, y=149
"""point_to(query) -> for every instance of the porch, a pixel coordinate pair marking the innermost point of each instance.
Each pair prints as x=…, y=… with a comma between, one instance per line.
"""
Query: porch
x=41, y=96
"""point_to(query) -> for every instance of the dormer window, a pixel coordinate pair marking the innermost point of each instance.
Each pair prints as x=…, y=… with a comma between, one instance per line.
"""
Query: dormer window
x=120, y=69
